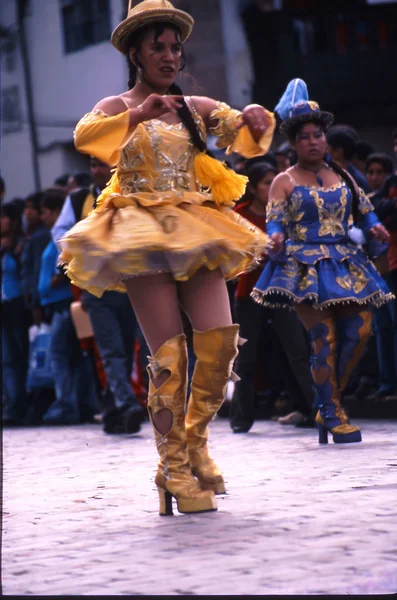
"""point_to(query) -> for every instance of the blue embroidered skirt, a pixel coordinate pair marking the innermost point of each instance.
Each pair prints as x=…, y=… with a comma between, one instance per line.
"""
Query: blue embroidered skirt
x=320, y=275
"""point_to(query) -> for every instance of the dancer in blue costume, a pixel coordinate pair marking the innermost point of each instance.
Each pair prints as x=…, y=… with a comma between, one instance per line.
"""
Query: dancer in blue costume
x=316, y=268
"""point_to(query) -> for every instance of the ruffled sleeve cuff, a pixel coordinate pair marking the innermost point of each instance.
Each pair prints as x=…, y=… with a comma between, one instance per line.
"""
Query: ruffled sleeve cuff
x=238, y=139
x=103, y=136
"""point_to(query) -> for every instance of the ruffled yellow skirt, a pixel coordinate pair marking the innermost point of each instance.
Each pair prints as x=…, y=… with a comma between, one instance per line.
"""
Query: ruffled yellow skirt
x=140, y=234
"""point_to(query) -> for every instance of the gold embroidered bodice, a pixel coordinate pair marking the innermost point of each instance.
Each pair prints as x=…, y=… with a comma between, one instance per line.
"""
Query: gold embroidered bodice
x=155, y=158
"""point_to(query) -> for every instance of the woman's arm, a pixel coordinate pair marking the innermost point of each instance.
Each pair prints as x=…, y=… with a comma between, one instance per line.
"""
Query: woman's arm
x=369, y=221
x=248, y=132
x=277, y=216
x=105, y=130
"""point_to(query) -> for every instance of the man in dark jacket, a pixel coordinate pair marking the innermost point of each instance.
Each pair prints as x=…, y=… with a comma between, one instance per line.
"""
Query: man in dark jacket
x=113, y=319
x=36, y=240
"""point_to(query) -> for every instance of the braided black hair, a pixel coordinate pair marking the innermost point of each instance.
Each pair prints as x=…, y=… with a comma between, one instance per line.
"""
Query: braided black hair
x=345, y=176
x=184, y=111
x=188, y=120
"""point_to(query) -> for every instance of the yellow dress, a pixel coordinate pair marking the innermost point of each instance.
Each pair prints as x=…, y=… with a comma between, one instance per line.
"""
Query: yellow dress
x=153, y=217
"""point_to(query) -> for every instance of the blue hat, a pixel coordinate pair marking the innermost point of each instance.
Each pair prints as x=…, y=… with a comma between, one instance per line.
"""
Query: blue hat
x=295, y=107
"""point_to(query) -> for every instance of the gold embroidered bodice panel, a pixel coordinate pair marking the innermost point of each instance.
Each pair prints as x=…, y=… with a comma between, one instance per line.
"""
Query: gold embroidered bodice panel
x=158, y=158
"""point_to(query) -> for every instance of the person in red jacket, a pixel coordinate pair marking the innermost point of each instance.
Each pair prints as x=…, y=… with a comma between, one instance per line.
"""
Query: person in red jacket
x=254, y=323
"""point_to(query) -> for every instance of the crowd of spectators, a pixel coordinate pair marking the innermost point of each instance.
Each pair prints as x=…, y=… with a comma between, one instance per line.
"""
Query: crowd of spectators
x=102, y=377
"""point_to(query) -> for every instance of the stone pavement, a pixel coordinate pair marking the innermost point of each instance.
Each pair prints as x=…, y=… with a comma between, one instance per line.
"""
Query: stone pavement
x=81, y=515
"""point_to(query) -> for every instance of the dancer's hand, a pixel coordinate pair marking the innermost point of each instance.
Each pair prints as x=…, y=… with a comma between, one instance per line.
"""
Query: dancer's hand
x=379, y=232
x=278, y=240
x=256, y=119
x=155, y=106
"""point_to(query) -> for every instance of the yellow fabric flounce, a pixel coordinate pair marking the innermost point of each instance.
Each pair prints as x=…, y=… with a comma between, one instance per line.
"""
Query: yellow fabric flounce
x=236, y=137
x=103, y=136
x=111, y=190
x=112, y=245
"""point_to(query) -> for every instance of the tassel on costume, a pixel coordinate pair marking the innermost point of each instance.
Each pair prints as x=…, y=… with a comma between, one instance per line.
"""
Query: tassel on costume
x=225, y=185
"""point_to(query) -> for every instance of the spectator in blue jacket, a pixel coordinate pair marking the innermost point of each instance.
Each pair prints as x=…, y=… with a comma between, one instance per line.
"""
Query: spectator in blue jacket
x=76, y=399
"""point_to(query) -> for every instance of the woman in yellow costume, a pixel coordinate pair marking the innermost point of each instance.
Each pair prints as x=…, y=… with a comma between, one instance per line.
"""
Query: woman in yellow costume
x=164, y=229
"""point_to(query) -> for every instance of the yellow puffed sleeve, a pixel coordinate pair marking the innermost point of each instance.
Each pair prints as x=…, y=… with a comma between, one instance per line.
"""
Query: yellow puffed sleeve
x=238, y=139
x=103, y=136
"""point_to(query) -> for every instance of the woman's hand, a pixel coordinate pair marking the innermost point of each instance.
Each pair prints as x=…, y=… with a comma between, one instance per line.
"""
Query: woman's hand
x=256, y=119
x=379, y=232
x=155, y=106
x=278, y=240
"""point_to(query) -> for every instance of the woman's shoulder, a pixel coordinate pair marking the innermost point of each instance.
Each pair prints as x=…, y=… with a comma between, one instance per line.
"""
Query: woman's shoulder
x=284, y=180
x=111, y=105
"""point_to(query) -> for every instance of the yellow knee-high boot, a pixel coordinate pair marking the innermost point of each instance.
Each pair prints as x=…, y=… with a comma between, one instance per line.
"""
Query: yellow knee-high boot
x=215, y=350
x=174, y=477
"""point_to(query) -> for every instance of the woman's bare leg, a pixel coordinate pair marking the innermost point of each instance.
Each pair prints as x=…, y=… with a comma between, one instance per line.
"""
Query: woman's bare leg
x=155, y=302
x=310, y=316
x=205, y=300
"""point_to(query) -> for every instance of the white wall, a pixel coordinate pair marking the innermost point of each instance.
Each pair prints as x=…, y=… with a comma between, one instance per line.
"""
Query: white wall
x=239, y=71
x=15, y=148
x=65, y=87
x=68, y=85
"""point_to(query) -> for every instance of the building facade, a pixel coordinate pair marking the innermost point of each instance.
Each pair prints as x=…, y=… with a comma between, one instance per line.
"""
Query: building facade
x=57, y=62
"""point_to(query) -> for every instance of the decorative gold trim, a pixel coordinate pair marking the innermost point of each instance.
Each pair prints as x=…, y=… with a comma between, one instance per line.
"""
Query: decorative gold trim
x=377, y=298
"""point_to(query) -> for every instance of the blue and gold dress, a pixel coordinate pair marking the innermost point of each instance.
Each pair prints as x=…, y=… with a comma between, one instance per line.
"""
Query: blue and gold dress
x=320, y=264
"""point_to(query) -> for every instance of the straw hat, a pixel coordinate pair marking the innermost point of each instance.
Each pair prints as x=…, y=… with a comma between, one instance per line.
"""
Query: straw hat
x=150, y=11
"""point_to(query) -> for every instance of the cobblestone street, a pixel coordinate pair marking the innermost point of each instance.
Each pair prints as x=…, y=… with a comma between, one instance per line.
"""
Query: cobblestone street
x=80, y=515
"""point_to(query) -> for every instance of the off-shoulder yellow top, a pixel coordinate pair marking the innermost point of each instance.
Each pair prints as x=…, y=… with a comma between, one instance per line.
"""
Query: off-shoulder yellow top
x=154, y=216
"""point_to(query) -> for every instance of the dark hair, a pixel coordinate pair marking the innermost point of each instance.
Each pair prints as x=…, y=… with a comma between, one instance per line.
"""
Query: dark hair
x=35, y=200
x=53, y=199
x=10, y=210
x=381, y=158
x=341, y=138
x=82, y=179
x=293, y=132
x=13, y=212
x=2, y=185
x=62, y=179
x=362, y=150
x=258, y=171
x=268, y=158
x=135, y=41
x=394, y=133
x=184, y=111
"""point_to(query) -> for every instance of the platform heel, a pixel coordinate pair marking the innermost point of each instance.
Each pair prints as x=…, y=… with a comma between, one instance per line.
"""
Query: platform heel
x=330, y=416
x=215, y=350
x=174, y=478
